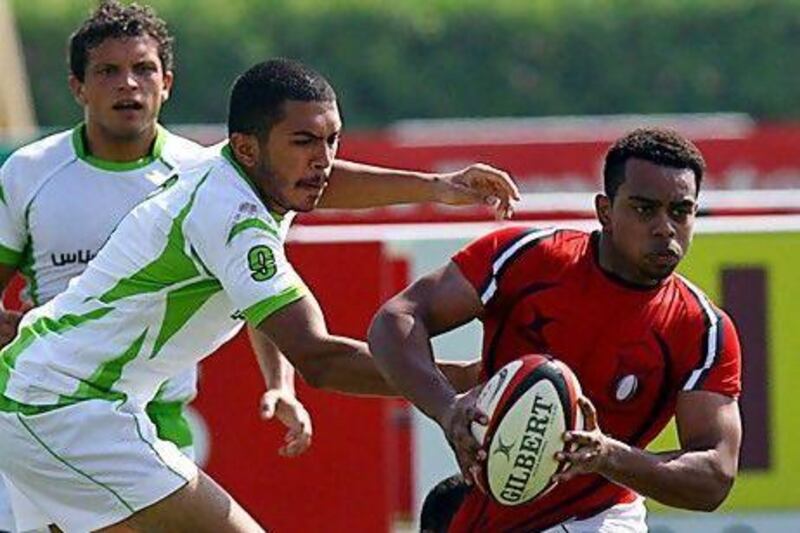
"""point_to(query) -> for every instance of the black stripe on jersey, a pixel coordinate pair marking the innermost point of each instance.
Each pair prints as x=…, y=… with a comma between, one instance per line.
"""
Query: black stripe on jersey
x=704, y=341
x=717, y=349
x=499, y=253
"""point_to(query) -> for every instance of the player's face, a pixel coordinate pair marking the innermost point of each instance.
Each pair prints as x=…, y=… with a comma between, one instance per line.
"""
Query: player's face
x=651, y=221
x=297, y=157
x=123, y=88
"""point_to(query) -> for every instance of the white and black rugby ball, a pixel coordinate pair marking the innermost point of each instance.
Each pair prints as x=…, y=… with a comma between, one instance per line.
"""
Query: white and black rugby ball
x=530, y=402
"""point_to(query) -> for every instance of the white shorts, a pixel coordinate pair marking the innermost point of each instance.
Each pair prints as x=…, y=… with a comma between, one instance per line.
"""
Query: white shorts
x=89, y=465
x=621, y=518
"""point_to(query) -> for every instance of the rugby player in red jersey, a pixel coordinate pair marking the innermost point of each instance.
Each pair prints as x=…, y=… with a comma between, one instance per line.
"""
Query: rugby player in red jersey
x=644, y=342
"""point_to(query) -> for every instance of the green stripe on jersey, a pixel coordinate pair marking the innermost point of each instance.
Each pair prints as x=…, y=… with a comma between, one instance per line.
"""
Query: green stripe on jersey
x=26, y=266
x=99, y=384
x=250, y=223
x=169, y=268
x=28, y=334
x=182, y=304
x=9, y=257
x=256, y=313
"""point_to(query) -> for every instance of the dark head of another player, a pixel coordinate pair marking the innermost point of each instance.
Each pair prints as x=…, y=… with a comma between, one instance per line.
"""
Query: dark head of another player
x=284, y=125
x=652, y=178
x=120, y=62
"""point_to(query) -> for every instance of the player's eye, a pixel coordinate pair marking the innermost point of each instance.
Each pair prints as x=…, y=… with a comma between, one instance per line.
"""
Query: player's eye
x=146, y=68
x=333, y=139
x=644, y=210
x=680, y=213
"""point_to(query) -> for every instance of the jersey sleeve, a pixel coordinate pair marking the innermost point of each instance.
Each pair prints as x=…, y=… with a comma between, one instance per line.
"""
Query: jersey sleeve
x=12, y=223
x=487, y=261
x=243, y=250
x=719, y=366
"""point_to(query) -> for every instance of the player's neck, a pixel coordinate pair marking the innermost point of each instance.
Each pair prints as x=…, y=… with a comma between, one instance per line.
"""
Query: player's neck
x=611, y=261
x=101, y=145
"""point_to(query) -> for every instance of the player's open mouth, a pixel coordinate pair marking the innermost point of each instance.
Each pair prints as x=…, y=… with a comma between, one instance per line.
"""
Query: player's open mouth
x=128, y=105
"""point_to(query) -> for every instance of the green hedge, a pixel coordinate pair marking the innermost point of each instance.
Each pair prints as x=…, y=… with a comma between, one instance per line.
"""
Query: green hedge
x=438, y=58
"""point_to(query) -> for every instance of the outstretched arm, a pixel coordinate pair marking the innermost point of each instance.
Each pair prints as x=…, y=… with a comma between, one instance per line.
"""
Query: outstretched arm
x=339, y=363
x=698, y=476
x=356, y=185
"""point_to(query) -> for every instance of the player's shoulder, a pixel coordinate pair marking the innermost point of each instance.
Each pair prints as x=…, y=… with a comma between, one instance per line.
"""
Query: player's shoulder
x=39, y=156
x=698, y=308
x=182, y=152
x=514, y=242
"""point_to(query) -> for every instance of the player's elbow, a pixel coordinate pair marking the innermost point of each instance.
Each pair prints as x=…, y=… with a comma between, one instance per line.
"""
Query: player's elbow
x=389, y=326
x=313, y=370
x=719, y=487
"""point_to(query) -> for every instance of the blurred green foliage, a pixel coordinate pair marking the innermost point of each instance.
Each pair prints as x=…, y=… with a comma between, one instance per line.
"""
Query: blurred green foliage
x=440, y=58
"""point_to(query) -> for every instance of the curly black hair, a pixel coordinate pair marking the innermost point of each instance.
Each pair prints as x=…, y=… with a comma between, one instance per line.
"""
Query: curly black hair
x=257, y=96
x=114, y=20
x=658, y=145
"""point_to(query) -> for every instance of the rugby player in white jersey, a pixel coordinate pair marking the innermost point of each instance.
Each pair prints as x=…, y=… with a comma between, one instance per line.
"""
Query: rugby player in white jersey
x=178, y=277
x=63, y=195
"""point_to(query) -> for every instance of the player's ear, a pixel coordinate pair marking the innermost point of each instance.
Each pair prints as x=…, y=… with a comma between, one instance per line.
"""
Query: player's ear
x=168, y=79
x=602, y=206
x=76, y=87
x=245, y=148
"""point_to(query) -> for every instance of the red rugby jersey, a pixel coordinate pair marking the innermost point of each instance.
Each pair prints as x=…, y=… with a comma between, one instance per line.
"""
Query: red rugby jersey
x=632, y=348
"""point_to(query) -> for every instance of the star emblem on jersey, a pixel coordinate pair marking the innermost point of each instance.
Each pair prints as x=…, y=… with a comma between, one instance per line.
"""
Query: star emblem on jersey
x=626, y=387
x=503, y=448
x=536, y=332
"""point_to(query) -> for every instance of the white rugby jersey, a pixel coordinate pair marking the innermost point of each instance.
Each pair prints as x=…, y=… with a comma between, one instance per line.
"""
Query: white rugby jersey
x=58, y=205
x=175, y=281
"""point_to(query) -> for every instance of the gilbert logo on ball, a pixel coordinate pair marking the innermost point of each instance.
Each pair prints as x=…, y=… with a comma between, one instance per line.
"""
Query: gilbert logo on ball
x=530, y=403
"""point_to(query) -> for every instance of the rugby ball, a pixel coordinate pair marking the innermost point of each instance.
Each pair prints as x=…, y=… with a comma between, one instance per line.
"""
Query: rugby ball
x=530, y=403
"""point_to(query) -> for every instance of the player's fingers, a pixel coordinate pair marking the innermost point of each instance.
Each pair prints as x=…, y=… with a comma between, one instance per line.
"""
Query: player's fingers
x=297, y=446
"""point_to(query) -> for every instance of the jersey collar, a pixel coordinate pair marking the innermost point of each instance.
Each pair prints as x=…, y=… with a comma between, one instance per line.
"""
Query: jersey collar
x=594, y=244
x=82, y=151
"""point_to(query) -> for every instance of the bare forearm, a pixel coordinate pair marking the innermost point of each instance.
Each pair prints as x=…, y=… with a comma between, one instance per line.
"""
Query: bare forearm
x=684, y=479
x=356, y=185
x=277, y=371
x=462, y=375
x=345, y=365
x=401, y=347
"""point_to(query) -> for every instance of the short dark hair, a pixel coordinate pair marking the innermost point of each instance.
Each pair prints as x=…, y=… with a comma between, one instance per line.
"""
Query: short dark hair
x=658, y=145
x=442, y=503
x=112, y=20
x=257, y=96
